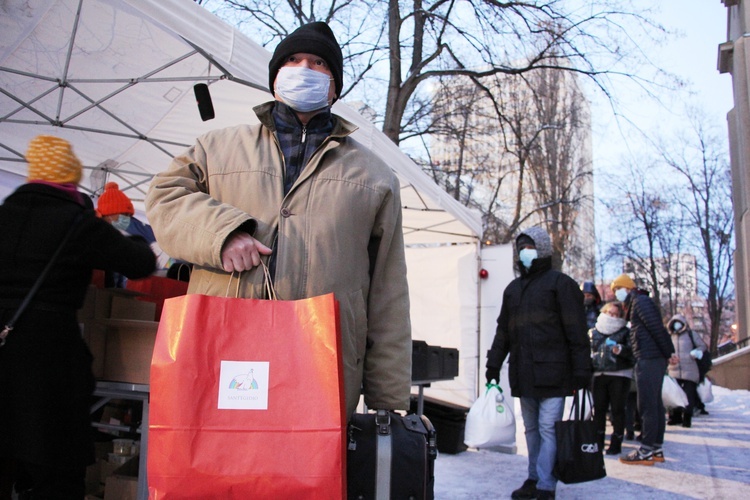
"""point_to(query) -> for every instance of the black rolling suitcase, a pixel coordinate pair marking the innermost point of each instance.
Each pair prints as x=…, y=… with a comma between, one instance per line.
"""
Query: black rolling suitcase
x=390, y=456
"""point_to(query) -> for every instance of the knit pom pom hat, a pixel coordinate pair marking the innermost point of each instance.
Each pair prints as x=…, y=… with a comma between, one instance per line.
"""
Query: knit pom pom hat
x=622, y=281
x=52, y=159
x=312, y=38
x=114, y=202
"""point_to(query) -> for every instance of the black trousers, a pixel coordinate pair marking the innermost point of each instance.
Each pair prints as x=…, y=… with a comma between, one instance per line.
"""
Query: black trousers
x=610, y=392
x=691, y=391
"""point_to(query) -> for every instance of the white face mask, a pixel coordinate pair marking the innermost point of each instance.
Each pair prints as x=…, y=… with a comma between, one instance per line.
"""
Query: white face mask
x=302, y=89
x=621, y=294
x=676, y=326
x=122, y=222
x=527, y=256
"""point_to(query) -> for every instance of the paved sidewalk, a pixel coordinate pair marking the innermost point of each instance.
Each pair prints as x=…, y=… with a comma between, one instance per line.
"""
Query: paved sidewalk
x=710, y=460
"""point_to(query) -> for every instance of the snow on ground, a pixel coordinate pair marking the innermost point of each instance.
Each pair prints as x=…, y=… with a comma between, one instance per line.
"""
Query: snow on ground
x=710, y=460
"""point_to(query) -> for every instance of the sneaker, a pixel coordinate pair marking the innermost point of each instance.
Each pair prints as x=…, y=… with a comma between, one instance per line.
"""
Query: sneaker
x=527, y=491
x=703, y=411
x=544, y=494
x=658, y=455
x=638, y=457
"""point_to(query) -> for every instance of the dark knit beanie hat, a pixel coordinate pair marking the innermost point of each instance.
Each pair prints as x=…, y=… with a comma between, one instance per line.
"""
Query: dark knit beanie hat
x=313, y=38
x=524, y=239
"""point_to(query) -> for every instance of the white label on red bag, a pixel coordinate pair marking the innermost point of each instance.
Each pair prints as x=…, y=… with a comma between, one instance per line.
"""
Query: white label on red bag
x=243, y=385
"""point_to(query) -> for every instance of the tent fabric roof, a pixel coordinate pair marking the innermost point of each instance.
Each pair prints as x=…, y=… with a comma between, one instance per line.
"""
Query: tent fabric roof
x=115, y=78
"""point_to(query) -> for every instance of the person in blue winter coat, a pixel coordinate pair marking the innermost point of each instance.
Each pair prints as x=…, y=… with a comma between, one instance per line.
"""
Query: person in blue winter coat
x=542, y=329
x=689, y=347
x=592, y=302
x=612, y=357
x=652, y=349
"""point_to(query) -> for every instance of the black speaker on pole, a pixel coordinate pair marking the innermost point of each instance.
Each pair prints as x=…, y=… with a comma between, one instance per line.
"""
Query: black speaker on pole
x=203, y=98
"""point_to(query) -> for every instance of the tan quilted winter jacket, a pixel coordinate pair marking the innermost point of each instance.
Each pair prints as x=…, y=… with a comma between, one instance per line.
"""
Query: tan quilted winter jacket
x=344, y=207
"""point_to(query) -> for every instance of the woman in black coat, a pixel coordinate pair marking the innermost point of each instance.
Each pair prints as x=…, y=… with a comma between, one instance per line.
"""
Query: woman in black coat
x=613, y=362
x=46, y=383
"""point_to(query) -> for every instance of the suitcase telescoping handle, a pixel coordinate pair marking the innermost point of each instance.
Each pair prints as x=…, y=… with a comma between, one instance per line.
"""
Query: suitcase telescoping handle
x=384, y=453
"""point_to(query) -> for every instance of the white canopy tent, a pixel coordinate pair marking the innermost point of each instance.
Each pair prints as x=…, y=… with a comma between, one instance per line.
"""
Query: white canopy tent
x=115, y=78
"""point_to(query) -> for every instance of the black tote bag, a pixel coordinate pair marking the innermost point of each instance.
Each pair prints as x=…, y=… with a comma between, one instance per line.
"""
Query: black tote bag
x=579, y=458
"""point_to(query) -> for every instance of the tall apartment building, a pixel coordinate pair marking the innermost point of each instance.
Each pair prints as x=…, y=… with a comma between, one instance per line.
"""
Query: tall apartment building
x=520, y=149
x=677, y=277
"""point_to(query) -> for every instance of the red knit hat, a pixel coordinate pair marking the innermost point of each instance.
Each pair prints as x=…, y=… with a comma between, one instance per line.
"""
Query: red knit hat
x=114, y=202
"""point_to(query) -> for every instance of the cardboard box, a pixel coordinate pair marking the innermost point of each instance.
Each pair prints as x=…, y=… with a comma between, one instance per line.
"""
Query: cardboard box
x=121, y=303
x=130, y=308
x=122, y=484
x=122, y=349
x=94, y=478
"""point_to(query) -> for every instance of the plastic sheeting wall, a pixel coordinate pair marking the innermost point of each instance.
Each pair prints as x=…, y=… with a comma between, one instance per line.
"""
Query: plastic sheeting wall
x=452, y=307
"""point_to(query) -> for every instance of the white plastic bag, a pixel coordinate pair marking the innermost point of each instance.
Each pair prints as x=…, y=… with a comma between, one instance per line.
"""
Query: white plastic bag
x=587, y=404
x=705, y=392
x=490, y=421
x=672, y=394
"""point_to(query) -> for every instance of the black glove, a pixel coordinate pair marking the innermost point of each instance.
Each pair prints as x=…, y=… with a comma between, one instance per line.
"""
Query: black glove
x=492, y=374
x=581, y=382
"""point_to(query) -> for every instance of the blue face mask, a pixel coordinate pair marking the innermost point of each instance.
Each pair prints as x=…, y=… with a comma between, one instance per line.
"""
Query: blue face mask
x=676, y=326
x=303, y=89
x=527, y=256
x=122, y=222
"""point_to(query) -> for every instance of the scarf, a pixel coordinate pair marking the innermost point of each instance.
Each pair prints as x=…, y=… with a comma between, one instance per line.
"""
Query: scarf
x=607, y=325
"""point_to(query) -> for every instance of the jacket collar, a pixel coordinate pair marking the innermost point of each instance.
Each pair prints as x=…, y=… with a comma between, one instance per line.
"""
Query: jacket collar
x=56, y=191
x=341, y=127
x=538, y=266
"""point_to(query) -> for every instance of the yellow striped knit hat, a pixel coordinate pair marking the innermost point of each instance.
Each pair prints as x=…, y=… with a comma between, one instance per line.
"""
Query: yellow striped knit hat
x=52, y=159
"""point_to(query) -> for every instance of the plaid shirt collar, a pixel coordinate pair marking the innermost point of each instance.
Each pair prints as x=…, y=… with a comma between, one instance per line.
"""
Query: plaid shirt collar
x=298, y=142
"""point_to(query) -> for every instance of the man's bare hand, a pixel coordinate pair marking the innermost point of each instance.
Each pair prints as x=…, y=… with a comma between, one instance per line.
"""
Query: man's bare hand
x=242, y=252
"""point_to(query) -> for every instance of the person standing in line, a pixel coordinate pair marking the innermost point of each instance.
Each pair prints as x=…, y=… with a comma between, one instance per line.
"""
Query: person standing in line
x=613, y=362
x=592, y=302
x=652, y=349
x=689, y=348
x=542, y=327
x=46, y=381
x=298, y=191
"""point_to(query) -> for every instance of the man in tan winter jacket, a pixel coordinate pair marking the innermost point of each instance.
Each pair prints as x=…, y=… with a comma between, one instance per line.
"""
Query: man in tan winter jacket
x=320, y=209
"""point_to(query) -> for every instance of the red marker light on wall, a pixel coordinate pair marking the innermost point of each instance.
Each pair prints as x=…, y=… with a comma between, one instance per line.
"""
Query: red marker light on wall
x=483, y=274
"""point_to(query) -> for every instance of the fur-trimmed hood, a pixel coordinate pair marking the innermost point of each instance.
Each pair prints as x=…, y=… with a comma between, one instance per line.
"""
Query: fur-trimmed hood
x=542, y=241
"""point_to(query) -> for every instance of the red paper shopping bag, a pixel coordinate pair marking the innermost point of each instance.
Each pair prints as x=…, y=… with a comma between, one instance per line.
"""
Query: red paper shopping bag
x=247, y=400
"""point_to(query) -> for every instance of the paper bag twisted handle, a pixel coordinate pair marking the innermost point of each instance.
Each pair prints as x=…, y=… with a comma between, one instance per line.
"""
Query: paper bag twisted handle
x=267, y=283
